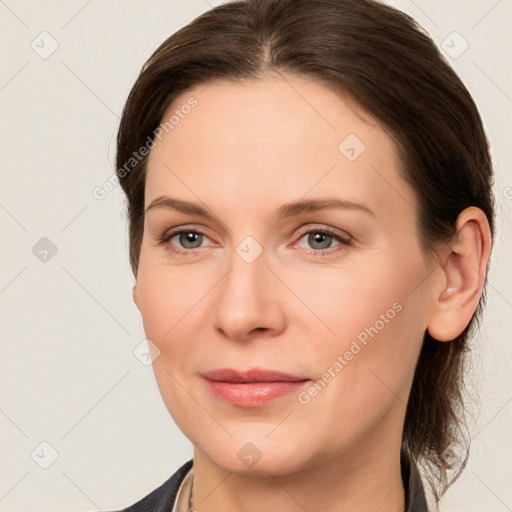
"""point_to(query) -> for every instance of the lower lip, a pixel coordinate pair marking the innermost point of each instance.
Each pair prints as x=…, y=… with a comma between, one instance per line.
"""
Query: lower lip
x=254, y=394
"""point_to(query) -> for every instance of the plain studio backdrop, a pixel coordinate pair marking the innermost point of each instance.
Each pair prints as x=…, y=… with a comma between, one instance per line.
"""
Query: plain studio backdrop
x=82, y=424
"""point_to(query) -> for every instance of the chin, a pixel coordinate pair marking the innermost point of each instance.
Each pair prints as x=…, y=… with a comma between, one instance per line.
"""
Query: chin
x=254, y=452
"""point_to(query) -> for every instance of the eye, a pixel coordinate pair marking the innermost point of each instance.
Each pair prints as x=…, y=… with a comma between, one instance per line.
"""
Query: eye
x=185, y=240
x=319, y=240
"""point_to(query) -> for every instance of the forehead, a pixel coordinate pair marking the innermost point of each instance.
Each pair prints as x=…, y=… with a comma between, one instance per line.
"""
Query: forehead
x=281, y=137
x=290, y=109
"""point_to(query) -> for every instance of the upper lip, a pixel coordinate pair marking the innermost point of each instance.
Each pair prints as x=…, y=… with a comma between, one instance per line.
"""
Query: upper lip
x=253, y=375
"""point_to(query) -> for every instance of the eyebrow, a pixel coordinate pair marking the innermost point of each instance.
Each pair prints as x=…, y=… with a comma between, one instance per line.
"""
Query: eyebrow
x=287, y=210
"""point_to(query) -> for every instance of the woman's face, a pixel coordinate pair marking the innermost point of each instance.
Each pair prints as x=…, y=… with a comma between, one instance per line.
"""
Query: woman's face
x=289, y=247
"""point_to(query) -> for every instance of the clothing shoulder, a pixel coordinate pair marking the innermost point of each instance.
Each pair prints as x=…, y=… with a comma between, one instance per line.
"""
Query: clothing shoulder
x=162, y=498
x=415, y=500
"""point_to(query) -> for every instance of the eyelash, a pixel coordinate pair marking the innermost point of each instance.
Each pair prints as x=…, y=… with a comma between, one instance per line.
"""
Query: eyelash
x=343, y=240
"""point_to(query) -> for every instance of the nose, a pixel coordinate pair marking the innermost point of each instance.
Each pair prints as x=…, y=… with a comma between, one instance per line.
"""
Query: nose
x=248, y=301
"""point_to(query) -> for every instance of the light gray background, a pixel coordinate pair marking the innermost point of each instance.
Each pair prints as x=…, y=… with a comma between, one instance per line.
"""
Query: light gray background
x=68, y=373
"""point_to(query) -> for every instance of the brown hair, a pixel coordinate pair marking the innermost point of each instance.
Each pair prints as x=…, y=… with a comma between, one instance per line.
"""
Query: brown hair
x=383, y=60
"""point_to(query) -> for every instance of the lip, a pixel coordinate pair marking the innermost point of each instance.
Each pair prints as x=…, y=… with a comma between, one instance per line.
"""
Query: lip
x=252, y=388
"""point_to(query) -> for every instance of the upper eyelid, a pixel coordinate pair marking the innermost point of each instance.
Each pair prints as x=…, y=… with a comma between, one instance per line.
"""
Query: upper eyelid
x=186, y=228
x=327, y=229
x=301, y=231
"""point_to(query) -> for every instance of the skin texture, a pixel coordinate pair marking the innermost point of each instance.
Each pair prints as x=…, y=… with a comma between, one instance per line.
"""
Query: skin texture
x=242, y=153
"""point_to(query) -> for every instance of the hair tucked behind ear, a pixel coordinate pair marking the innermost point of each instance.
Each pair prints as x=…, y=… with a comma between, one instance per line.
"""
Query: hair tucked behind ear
x=384, y=61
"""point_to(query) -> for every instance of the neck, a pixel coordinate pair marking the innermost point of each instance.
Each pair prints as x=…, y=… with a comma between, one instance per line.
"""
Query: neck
x=345, y=482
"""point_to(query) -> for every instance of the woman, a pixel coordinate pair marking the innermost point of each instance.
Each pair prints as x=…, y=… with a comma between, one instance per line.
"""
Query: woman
x=311, y=219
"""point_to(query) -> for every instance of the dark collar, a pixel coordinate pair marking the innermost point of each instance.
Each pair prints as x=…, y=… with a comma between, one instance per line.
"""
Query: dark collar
x=414, y=494
x=163, y=497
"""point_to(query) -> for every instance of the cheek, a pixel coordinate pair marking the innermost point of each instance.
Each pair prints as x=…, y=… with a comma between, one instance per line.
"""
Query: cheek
x=365, y=371
x=348, y=300
x=169, y=304
x=375, y=321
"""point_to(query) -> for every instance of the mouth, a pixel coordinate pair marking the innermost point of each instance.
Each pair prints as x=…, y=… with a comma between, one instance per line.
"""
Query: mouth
x=252, y=388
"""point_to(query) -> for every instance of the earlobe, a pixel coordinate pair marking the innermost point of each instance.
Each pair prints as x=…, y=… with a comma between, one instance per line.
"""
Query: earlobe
x=464, y=270
x=134, y=295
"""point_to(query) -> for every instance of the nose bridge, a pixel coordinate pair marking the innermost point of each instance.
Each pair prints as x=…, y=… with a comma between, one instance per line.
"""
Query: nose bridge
x=246, y=298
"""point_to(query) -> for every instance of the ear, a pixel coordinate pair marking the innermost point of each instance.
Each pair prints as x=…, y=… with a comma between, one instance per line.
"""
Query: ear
x=464, y=267
x=134, y=296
